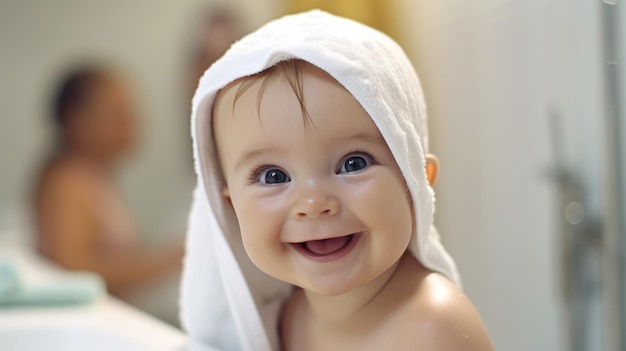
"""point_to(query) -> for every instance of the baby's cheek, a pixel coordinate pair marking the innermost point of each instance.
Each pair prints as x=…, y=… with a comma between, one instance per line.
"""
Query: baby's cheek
x=388, y=205
x=259, y=225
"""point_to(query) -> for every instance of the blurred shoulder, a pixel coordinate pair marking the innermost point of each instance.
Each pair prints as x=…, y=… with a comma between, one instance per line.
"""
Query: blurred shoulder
x=64, y=179
x=67, y=172
x=442, y=318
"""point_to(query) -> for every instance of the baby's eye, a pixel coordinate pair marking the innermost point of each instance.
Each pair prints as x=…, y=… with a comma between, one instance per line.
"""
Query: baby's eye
x=355, y=163
x=272, y=176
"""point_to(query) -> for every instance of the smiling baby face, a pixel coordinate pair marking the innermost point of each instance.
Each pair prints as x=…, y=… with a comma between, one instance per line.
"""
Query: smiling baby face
x=319, y=198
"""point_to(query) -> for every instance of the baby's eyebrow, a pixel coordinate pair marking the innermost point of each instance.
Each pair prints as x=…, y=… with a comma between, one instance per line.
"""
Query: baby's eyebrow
x=374, y=138
x=251, y=154
x=365, y=136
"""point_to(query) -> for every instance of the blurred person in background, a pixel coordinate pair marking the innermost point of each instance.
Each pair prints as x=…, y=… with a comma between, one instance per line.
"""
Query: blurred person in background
x=81, y=219
x=213, y=33
x=219, y=28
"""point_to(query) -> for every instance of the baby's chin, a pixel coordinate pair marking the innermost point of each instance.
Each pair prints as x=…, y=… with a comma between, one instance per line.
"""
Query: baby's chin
x=324, y=286
x=326, y=291
x=332, y=285
x=331, y=291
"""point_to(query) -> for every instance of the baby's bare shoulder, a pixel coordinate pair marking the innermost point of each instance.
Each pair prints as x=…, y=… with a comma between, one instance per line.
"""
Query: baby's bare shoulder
x=442, y=318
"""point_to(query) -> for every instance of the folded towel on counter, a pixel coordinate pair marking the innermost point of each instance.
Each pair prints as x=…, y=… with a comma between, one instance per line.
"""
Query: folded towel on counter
x=60, y=288
x=226, y=300
x=9, y=280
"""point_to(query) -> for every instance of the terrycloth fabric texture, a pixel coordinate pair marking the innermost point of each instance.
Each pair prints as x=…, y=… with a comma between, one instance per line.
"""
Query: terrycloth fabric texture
x=222, y=290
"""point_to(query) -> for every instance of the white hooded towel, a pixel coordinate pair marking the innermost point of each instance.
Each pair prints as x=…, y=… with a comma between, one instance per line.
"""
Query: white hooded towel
x=226, y=301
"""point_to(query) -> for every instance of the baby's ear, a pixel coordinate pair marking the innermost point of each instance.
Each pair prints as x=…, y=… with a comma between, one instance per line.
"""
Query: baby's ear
x=226, y=194
x=432, y=168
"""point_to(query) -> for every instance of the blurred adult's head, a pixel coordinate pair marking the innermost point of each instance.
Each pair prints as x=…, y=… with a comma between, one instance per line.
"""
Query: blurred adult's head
x=218, y=29
x=94, y=114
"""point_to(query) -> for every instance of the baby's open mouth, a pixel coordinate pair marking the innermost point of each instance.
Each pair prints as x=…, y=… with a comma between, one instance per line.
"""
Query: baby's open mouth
x=327, y=246
x=328, y=250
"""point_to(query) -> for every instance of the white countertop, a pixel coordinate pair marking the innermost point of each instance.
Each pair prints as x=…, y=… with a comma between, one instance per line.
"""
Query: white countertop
x=105, y=323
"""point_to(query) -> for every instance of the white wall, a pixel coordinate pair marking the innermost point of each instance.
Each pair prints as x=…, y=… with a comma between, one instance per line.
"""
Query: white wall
x=493, y=71
x=150, y=40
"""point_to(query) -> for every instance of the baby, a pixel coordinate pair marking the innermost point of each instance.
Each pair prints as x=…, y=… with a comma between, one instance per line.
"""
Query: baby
x=311, y=148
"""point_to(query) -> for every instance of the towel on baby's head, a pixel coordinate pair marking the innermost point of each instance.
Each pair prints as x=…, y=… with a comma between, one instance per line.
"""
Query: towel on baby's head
x=226, y=300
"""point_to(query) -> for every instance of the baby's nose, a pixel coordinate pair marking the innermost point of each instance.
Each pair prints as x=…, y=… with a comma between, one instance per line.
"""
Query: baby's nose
x=314, y=202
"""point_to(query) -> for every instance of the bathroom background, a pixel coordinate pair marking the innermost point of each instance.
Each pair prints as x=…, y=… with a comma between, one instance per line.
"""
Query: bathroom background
x=526, y=108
